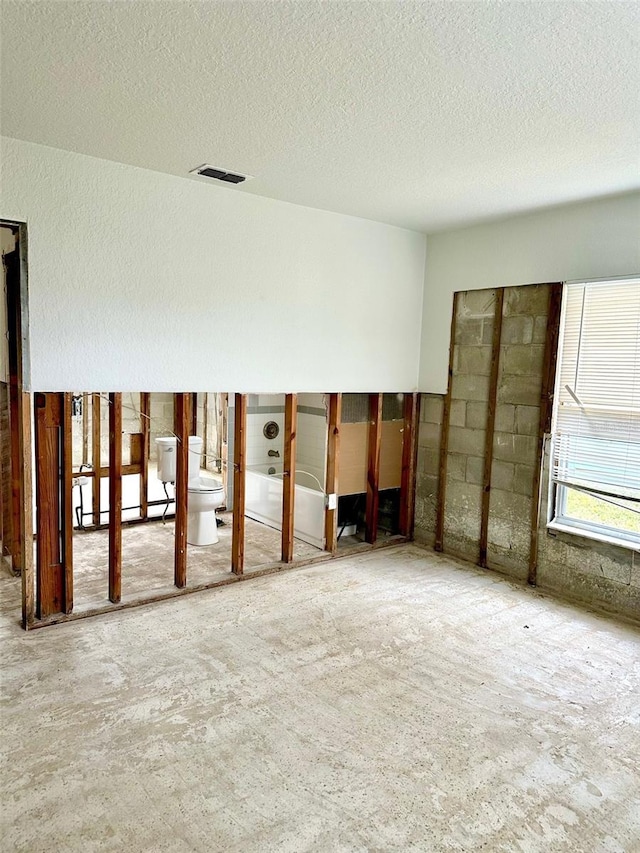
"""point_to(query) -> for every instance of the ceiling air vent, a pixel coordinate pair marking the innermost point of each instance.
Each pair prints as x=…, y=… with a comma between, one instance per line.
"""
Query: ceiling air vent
x=218, y=174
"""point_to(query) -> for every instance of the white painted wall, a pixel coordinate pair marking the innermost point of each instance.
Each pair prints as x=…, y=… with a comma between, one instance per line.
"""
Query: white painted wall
x=596, y=239
x=143, y=281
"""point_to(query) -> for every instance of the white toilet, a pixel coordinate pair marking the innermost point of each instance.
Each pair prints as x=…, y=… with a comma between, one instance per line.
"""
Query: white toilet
x=206, y=494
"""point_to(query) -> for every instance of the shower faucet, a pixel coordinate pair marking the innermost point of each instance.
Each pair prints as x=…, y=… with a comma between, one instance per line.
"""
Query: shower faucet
x=275, y=453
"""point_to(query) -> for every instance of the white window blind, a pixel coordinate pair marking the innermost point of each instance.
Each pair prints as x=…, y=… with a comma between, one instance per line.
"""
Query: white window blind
x=596, y=433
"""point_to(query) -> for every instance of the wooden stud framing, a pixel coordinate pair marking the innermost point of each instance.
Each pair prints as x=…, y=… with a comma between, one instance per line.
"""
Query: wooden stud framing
x=444, y=439
x=5, y=435
x=21, y=435
x=411, y=415
x=55, y=526
x=115, y=497
x=26, y=512
x=95, y=456
x=12, y=266
x=239, y=465
x=181, y=428
x=145, y=424
x=333, y=466
x=66, y=488
x=544, y=427
x=85, y=429
x=491, y=422
x=373, y=467
x=194, y=414
x=289, y=475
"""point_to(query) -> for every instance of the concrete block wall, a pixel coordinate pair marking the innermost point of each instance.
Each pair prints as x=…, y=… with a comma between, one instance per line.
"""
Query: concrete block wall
x=524, y=324
x=572, y=566
x=468, y=420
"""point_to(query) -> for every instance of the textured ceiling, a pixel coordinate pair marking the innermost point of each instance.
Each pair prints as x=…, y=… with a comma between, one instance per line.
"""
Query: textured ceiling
x=425, y=115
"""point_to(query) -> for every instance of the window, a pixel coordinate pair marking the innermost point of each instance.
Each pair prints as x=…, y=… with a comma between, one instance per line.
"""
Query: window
x=595, y=473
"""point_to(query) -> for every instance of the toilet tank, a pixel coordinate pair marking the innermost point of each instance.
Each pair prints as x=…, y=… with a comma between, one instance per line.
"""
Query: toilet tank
x=167, y=457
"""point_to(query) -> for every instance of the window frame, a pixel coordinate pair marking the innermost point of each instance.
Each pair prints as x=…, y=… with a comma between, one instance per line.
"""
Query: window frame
x=557, y=519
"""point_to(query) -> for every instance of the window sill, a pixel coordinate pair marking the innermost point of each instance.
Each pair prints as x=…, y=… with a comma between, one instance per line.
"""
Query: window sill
x=585, y=533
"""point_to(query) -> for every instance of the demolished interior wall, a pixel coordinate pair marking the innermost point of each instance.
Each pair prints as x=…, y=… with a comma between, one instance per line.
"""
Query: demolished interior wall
x=602, y=575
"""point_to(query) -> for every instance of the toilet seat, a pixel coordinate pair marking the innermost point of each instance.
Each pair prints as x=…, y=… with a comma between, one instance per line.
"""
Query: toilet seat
x=203, y=485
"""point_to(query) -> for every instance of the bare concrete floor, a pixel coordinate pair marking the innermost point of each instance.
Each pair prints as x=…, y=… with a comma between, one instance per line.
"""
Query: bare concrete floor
x=396, y=700
x=148, y=555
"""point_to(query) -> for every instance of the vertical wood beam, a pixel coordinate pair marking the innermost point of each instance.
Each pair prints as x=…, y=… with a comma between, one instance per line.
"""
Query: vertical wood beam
x=145, y=423
x=96, y=459
x=491, y=423
x=239, y=466
x=444, y=439
x=289, y=475
x=333, y=467
x=373, y=468
x=66, y=487
x=51, y=597
x=115, y=497
x=182, y=424
x=85, y=429
x=11, y=261
x=5, y=436
x=547, y=391
x=411, y=414
x=194, y=414
x=26, y=512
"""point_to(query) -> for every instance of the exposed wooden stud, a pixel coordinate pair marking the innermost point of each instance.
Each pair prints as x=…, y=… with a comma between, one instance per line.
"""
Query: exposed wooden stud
x=289, y=475
x=115, y=497
x=333, y=467
x=444, y=439
x=194, y=413
x=239, y=466
x=182, y=424
x=491, y=422
x=85, y=429
x=26, y=512
x=373, y=468
x=51, y=597
x=5, y=436
x=11, y=261
x=411, y=413
x=145, y=424
x=96, y=438
x=66, y=489
x=544, y=427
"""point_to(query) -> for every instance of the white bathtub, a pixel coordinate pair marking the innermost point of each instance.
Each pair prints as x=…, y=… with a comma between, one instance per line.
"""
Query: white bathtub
x=263, y=501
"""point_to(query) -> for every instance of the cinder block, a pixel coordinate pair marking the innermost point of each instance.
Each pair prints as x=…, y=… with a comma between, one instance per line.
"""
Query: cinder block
x=426, y=487
x=477, y=303
x=469, y=332
x=514, y=448
x=429, y=435
x=514, y=508
x=519, y=359
x=539, y=329
x=467, y=441
x=470, y=387
x=527, y=420
x=476, y=359
x=475, y=470
x=530, y=299
x=505, y=417
x=517, y=330
x=502, y=474
x=431, y=407
x=519, y=390
x=428, y=460
x=523, y=480
x=456, y=466
x=458, y=413
x=477, y=414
